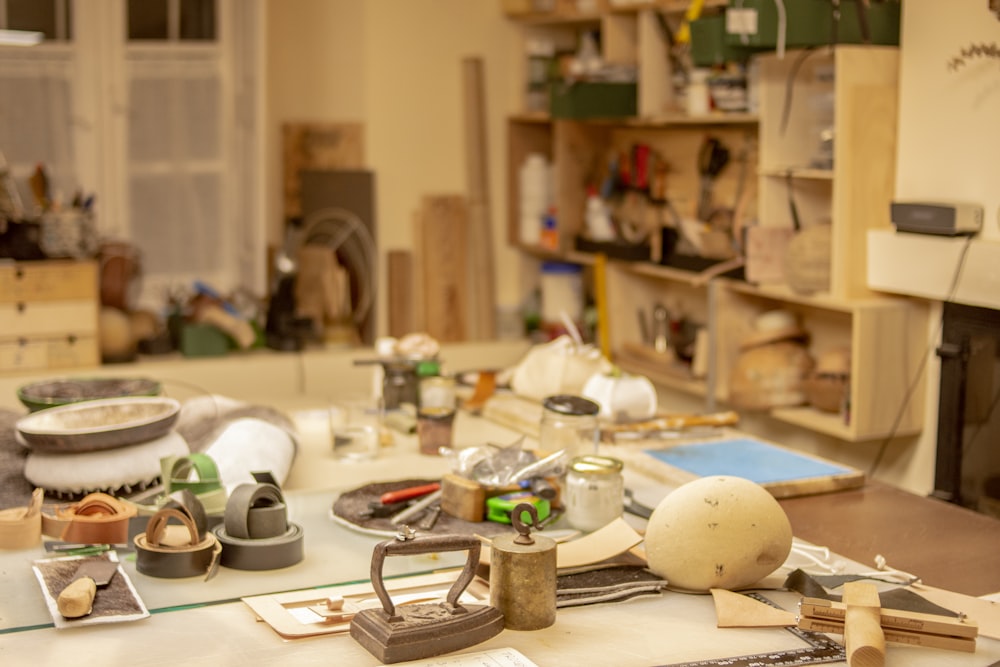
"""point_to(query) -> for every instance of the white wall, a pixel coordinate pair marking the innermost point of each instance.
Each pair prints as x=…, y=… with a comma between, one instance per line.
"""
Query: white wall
x=948, y=148
x=395, y=65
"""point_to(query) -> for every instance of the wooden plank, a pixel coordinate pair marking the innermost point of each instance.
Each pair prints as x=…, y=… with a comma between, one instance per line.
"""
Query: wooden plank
x=442, y=239
x=317, y=145
x=400, y=276
x=482, y=324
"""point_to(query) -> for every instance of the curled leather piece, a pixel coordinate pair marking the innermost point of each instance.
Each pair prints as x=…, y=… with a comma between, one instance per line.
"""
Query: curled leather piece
x=21, y=527
x=172, y=551
x=256, y=533
x=206, y=474
x=96, y=519
x=206, y=482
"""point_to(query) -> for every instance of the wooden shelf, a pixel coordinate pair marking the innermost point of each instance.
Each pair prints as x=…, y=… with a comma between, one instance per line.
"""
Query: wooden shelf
x=798, y=172
x=850, y=90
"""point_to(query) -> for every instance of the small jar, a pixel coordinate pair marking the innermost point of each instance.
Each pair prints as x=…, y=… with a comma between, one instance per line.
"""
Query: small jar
x=594, y=494
x=569, y=423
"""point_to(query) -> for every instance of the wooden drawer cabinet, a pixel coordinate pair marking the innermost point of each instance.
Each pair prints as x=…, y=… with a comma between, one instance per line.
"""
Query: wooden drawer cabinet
x=48, y=315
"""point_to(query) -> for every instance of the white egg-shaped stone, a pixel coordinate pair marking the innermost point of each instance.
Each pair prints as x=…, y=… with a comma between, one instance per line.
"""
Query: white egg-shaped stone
x=717, y=532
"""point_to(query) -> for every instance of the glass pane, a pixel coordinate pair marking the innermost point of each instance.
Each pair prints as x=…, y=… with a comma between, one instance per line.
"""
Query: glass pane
x=174, y=119
x=37, y=15
x=147, y=19
x=175, y=221
x=197, y=19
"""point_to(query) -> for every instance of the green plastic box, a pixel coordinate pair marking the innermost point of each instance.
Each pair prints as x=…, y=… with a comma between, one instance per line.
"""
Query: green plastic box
x=810, y=23
x=710, y=47
x=593, y=99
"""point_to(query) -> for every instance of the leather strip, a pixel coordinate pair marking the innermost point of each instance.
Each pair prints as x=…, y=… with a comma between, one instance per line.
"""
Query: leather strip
x=175, y=559
x=96, y=519
x=206, y=472
x=21, y=527
x=256, y=533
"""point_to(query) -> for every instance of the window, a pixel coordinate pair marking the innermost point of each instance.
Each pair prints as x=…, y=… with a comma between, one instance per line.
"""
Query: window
x=151, y=106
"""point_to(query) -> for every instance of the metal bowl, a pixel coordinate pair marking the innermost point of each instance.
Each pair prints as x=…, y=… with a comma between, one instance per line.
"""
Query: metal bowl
x=63, y=391
x=99, y=424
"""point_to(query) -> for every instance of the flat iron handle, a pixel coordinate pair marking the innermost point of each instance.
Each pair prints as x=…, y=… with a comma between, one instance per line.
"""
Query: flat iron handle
x=422, y=545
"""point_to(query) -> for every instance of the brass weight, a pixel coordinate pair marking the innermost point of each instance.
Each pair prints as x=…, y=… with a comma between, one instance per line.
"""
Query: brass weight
x=523, y=575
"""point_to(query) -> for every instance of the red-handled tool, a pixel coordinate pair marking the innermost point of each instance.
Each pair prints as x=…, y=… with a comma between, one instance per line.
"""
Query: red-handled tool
x=400, y=495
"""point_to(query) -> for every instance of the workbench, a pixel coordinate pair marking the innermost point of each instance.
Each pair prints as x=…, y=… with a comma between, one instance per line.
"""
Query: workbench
x=205, y=623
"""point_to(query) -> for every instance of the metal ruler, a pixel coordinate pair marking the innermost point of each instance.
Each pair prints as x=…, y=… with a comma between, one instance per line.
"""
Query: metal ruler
x=819, y=649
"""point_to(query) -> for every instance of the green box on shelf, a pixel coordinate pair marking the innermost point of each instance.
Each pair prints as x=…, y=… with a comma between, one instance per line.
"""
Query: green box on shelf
x=709, y=45
x=810, y=23
x=593, y=99
x=204, y=340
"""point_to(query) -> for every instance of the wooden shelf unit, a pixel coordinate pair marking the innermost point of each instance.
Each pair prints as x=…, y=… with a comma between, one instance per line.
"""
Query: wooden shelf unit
x=849, y=92
x=49, y=310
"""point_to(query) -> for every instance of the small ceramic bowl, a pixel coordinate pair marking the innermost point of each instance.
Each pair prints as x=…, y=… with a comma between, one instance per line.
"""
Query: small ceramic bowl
x=63, y=391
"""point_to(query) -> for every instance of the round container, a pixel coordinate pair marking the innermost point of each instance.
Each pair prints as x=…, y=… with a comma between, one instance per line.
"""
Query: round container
x=594, y=492
x=437, y=391
x=569, y=423
x=562, y=291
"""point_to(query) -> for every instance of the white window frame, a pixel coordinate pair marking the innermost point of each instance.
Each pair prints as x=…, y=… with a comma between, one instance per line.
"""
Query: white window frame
x=102, y=60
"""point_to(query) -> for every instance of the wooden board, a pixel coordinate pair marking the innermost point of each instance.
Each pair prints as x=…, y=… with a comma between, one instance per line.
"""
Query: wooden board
x=482, y=320
x=317, y=145
x=442, y=242
x=783, y=472
x=399, y=274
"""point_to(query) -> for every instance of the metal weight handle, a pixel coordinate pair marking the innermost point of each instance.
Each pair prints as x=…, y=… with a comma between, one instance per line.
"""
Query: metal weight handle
x=422, y=545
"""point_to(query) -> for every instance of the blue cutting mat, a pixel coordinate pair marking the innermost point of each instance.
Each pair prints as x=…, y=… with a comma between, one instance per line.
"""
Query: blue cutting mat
x=745, y=457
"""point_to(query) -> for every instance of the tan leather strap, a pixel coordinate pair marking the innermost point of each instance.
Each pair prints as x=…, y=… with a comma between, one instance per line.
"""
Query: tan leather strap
x=21, y=527
x=96, y=519
x=160, y=552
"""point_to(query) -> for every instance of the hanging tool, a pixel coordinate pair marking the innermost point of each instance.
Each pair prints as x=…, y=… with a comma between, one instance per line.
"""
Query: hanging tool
x=712, y=159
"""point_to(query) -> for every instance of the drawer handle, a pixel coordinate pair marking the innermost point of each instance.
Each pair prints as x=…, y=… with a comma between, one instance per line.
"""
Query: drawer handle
x=21, y=306
x=19, y=273
x=71, y=339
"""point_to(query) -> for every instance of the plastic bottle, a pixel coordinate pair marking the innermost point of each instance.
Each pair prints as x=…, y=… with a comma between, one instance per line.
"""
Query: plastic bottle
x=536, y=195
x=599, y=227
x=550, y=231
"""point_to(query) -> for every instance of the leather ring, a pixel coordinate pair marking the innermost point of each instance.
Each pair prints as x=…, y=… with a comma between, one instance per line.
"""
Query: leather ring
x=256, y=533
x=174, y=561
x=244, y=498
x=21, y=527
x=205, y=468
x=96, y=519
x=263, y=554
x=190, y=504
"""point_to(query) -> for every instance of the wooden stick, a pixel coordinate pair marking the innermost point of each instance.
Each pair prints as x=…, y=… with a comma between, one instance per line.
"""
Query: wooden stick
x=863, y=634
x=482, y=321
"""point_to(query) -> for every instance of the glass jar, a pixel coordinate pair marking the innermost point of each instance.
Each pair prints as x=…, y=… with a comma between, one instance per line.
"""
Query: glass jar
x=594, y=493
x=569, y=423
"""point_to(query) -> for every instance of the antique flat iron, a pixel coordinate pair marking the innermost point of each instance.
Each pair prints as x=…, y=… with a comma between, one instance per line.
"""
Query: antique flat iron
x=410, y=632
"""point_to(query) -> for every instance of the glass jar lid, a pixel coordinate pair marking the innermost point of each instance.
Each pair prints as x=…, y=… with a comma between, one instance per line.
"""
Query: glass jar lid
x=569, y=404
x=595, y=465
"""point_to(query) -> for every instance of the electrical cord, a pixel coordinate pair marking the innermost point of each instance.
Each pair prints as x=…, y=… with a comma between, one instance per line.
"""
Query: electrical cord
x=952, y=289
